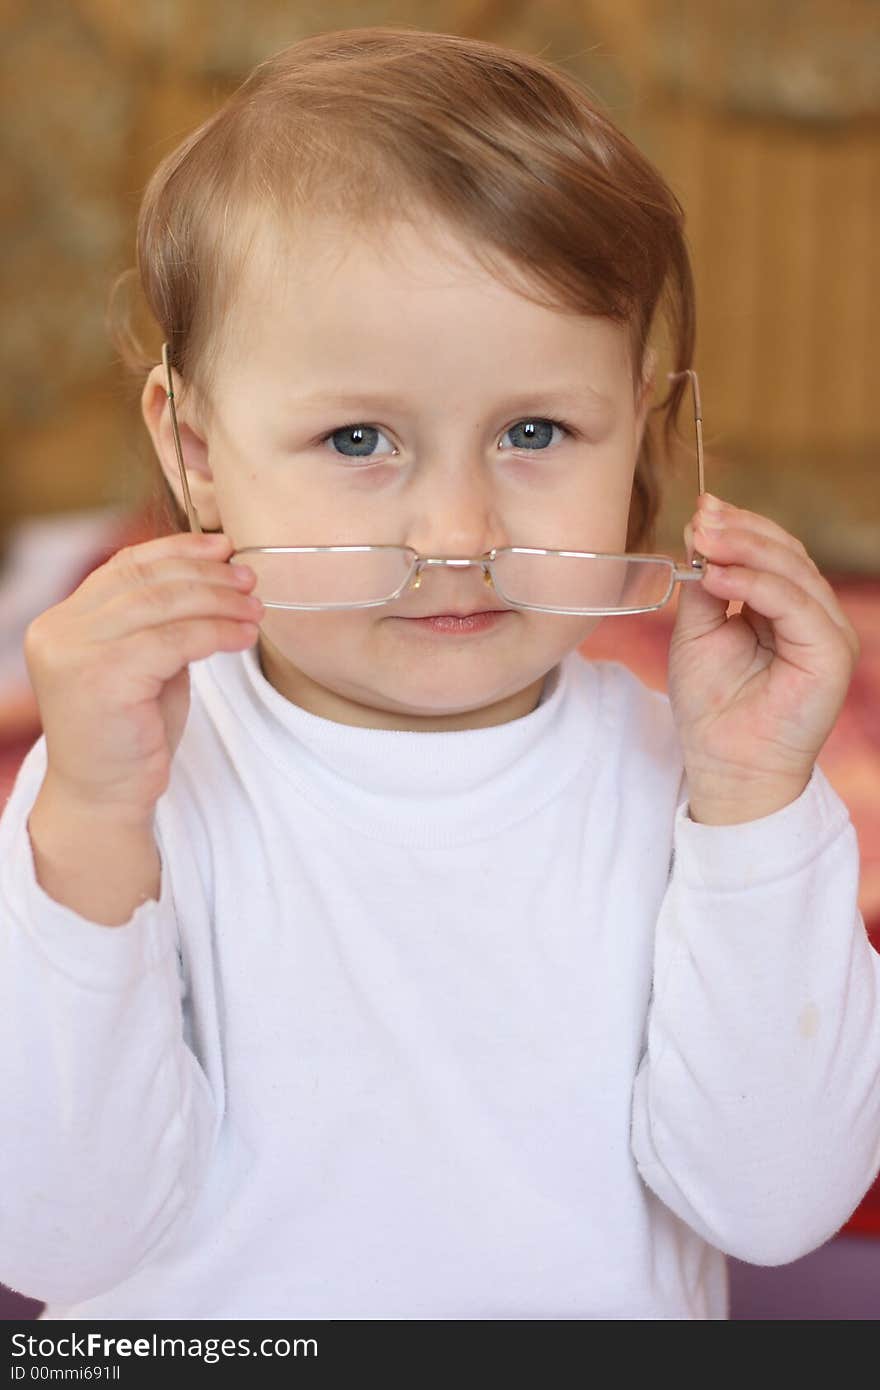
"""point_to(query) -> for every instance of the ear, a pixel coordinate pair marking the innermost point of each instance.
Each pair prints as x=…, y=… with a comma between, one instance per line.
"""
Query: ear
x=157, y=417
x=646, y=392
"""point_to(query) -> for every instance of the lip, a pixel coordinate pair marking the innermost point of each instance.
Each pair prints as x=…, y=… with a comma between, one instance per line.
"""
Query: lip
x=464, y=625
x=451, y=613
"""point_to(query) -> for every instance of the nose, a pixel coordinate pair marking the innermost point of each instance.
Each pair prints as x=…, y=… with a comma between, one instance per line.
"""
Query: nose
x=454, y=511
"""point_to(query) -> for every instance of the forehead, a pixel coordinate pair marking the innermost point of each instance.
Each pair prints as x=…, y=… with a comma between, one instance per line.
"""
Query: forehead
x=402, y=296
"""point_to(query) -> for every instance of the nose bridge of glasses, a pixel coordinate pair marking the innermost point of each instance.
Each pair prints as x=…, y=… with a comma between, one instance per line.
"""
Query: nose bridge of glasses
x=455, y=562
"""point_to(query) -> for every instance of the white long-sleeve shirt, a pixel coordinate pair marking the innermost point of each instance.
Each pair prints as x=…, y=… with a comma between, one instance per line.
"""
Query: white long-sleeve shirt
x=427, y=1025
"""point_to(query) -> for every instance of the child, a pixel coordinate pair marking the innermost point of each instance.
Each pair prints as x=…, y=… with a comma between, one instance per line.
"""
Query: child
x=359, y=966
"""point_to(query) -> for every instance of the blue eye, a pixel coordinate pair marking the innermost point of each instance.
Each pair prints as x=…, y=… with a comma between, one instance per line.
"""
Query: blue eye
x=361, y=437
x=535, y=430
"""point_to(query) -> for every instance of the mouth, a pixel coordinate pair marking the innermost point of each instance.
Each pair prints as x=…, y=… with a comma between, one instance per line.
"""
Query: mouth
x=457, y=624
x=454, y=613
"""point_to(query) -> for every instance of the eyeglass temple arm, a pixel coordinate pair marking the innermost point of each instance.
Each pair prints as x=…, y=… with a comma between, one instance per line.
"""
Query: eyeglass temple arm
x=698, y=562
x=193, y=520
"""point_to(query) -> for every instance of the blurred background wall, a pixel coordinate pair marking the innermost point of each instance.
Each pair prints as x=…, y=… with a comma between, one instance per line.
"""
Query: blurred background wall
x=763, y=115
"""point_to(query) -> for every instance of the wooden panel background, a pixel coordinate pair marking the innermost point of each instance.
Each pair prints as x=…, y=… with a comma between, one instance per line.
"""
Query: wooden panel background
x=765, y=118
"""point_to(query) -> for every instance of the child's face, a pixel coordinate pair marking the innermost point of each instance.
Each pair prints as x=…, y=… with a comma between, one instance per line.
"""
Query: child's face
x=457, y=364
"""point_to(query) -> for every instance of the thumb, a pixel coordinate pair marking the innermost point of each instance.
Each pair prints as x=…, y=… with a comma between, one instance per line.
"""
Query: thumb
x=698, y=611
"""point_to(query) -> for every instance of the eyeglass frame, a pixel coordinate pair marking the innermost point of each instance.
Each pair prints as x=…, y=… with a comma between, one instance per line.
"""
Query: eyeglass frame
x=680, y=574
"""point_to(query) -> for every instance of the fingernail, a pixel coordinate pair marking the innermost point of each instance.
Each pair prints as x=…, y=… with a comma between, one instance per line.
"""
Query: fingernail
x=711, y=503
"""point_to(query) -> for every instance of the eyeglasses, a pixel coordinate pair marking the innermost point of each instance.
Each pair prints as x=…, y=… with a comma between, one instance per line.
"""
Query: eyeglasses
x=573, y=582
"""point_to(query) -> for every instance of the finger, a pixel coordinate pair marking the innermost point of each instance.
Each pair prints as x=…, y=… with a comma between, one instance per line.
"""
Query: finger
x=726, y=514
x=804, y=634
x=136, y=567
x=162, y=603
x=756, y=549
x=210, y=544
x=730, y=516
x=164, y=650
x=698, y=610
x=761, y=626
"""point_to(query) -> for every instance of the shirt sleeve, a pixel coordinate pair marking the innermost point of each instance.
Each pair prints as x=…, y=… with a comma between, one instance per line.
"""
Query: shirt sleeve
x=107, y=1117
x=756, y=1105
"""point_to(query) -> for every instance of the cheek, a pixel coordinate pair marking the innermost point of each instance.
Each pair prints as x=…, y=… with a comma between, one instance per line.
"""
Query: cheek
x=318, y=625
x=591, y=515
x=318, y=637
x=238, y=503
x=566, y=632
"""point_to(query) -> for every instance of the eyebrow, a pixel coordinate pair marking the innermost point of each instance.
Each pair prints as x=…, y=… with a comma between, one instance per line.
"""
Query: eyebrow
x=561, y=399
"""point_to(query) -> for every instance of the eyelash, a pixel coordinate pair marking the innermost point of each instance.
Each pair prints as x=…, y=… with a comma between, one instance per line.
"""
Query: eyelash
x=568, y=430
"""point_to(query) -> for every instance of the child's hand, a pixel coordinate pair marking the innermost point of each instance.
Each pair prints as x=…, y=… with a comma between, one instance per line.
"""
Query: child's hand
x=754, y=695
x=109, y=667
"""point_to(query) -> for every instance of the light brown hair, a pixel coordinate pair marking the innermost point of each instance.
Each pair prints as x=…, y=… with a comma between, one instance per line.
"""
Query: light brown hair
x=367, y=124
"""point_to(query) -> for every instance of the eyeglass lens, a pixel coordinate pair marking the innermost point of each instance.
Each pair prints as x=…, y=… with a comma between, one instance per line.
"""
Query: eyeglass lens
x=562, y=582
